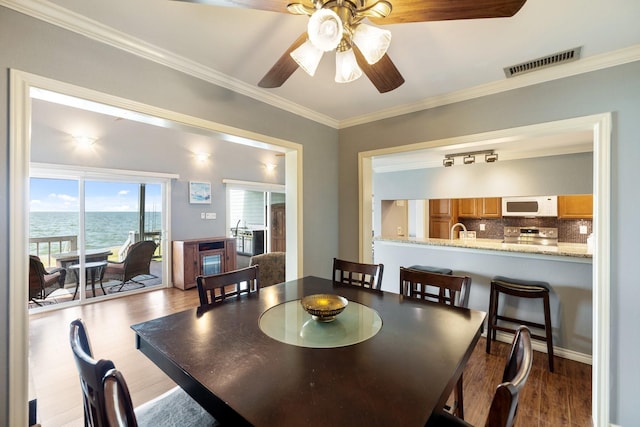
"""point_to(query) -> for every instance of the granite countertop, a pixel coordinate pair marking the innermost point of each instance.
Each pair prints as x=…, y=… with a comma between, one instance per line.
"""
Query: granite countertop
x=563, y=249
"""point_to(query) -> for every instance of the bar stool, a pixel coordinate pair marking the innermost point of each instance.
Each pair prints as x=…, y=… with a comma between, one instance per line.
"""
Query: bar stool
x=523, y=289
x=430, y=269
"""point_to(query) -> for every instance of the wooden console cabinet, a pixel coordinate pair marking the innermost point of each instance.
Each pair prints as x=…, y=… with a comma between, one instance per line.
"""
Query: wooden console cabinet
x=195, y=257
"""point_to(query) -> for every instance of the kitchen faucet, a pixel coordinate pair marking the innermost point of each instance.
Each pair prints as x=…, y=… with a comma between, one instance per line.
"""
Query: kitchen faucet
x=464, y=230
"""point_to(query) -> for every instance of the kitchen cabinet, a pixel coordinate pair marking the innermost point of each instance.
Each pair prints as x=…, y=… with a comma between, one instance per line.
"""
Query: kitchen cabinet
x=443, y=213
x=195, y=257
x=575, y=206
x=480, y=207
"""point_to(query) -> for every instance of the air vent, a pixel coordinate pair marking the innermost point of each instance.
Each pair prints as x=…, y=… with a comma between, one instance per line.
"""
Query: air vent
x=545, y=62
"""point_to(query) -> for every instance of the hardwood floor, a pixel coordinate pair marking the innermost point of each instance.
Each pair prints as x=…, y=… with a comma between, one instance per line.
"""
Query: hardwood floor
x=559, y=399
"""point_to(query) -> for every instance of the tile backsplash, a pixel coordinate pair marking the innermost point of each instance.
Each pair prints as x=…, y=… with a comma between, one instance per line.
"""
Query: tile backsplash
x=568, y=230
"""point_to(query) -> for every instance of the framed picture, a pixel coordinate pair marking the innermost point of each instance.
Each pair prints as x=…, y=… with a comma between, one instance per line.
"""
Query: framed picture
x=199, y=192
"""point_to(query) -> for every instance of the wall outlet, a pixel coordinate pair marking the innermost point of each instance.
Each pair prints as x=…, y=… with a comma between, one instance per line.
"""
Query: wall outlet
x=583, y=229
x=483, y=227
x=399, y=231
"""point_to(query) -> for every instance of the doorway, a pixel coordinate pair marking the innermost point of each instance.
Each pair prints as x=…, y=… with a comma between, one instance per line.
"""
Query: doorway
x=21, y=87
x=600, y=127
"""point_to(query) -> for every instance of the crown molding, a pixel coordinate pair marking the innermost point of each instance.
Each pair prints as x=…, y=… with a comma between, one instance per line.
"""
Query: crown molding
x=80, y=24
x=592, y=63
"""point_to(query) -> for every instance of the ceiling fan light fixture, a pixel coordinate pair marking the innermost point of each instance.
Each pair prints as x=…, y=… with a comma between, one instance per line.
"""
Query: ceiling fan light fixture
x=308, y=57
x=372, y=41
x=325, y=29
x=347, y=69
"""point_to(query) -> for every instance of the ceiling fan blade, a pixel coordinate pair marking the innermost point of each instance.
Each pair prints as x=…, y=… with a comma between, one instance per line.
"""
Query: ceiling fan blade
x=383, y=74
x=270, y=5
x=284, y=66
x=444, y=10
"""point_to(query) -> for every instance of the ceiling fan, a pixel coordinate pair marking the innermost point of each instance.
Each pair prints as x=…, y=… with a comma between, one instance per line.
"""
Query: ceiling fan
x=360, y=48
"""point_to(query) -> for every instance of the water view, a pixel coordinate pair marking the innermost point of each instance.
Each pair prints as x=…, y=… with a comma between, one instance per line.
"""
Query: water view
x=103, y=229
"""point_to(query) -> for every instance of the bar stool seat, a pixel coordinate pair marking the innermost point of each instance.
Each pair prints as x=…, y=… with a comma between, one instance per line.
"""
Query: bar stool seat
x=523, y=289
x=430, y=269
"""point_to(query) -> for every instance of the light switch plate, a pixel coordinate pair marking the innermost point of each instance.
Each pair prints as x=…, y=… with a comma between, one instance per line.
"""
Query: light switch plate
x=583, y=229
x=211, y=215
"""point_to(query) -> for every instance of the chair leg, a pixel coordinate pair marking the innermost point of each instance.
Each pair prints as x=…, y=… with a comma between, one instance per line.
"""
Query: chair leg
x=548, y=331
x=492, y=312
x=459, y=401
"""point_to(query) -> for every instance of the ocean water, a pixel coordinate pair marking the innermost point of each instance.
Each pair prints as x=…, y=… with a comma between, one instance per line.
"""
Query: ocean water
x=103, y=229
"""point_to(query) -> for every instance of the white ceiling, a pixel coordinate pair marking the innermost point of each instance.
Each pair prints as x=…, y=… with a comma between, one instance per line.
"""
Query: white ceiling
x=437, y=59
x=440, y=61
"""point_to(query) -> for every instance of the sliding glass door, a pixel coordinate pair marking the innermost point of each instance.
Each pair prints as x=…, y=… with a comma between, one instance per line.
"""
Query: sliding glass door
x=89, y=231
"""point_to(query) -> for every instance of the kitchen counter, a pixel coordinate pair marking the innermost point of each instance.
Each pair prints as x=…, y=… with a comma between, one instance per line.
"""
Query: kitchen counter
x=575, y=250
x=568, y=268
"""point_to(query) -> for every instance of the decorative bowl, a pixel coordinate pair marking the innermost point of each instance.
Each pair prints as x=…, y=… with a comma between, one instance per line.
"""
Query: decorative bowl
x=324, y=307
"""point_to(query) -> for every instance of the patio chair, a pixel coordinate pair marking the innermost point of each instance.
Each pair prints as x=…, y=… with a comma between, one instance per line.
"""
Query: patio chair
x=136, y=263
x=272, y=267
x=43, y=282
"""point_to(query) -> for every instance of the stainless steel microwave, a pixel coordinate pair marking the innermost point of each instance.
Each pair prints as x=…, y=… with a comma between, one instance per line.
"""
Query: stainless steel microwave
x=532, y=206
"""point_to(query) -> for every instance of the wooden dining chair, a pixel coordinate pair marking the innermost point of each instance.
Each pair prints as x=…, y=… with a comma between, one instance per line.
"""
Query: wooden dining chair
x=504, y=405
x=107, y=402
x=91, y=373
x=358, y=274
x=430, y=286
x=443, y=289
x=216, y=288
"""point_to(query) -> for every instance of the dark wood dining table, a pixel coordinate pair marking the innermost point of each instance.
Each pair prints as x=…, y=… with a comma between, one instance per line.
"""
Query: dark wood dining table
x=242, y=376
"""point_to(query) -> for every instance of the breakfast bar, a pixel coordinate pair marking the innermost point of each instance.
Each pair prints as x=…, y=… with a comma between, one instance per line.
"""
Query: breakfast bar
x=567, y=267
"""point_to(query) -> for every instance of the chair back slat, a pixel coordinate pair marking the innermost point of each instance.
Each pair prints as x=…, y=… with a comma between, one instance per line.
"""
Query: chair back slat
x=215, y=288
x=358, y=274
x=442, y=288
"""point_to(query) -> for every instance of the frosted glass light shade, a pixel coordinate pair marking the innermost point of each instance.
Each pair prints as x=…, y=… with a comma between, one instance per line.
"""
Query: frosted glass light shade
x=373, y=42
x=308, y=57
x=347, y=69
x=325, y=29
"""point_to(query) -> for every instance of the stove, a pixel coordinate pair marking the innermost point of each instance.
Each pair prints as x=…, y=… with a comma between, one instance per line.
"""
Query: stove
x=546, y=236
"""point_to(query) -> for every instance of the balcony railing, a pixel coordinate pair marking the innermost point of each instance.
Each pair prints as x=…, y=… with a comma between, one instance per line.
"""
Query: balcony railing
x=44, y=247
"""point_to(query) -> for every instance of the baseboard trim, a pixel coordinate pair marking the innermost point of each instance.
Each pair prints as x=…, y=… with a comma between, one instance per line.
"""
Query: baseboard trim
x=542, y=347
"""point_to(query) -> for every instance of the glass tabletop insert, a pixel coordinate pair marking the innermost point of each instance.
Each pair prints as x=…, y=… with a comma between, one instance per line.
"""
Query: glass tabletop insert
x=291, y=324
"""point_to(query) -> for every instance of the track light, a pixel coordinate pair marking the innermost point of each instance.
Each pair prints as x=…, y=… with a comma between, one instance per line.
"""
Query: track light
x=491, y=157
x=469, y=158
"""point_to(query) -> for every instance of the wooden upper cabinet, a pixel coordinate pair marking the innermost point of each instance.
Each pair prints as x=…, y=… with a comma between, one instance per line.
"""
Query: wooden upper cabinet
x=487, y=207
x=468, y=208
x=443, y=213
x=575, y=206
x=491, y=207
x=442, y=207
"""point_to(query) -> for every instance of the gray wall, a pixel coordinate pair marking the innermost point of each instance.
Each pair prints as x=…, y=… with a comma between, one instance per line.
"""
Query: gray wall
x=141, y=147
x=566, y=174
x=615, y=90
x=29, y=45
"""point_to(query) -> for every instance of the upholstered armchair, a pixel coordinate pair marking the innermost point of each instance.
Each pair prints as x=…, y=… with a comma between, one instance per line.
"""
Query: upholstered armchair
x=272, y=268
